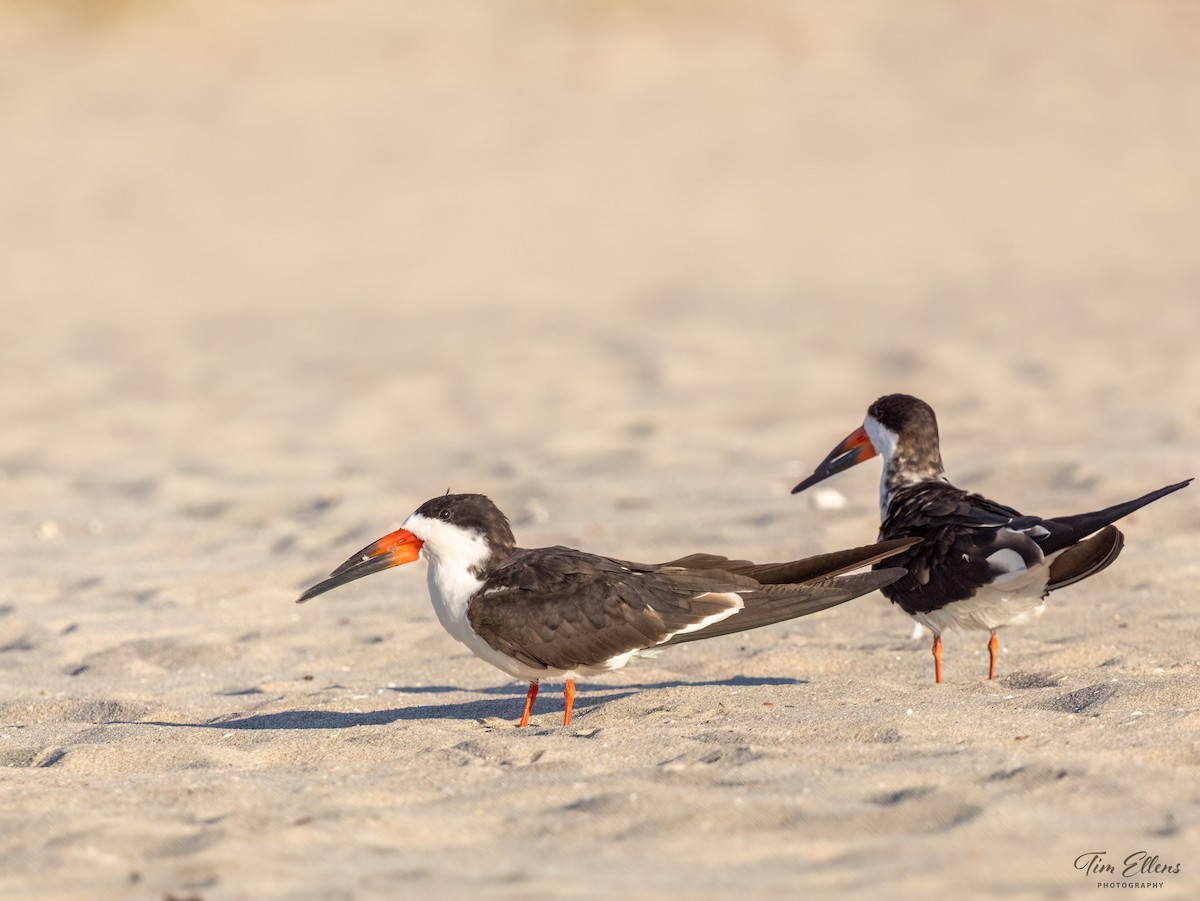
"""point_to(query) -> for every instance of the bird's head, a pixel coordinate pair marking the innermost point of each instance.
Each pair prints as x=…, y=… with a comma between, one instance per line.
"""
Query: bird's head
x=456, y=529
x=897, y=426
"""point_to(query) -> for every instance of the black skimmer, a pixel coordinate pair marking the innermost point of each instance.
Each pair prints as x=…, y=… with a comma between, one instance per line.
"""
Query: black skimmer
x=981, y=565
x=556, y=612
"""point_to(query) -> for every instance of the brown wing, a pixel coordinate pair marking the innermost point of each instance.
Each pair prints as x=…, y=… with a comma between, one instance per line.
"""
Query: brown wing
x=799, y=587
x=796, y=571
x=771, y=604
x=825, y=565
x=562, y=609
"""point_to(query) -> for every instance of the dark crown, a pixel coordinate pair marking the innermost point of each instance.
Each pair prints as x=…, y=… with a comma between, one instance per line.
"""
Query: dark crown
x=471, y=511
x=904, y=414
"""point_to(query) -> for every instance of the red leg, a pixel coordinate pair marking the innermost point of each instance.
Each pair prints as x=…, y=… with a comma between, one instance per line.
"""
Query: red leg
x=937, y=659
x=993, y=647
x=569, y=697
x=529, y=696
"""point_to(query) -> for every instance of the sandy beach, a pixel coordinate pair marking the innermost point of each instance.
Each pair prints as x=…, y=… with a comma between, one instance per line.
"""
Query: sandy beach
x=274, y=274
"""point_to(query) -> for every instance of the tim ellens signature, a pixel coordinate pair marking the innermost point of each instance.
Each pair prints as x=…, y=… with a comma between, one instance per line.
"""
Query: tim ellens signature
x=1139, y=863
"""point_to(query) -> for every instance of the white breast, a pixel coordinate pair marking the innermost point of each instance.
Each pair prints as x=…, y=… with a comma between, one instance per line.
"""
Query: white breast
x=1008, y=601
x=451, y=589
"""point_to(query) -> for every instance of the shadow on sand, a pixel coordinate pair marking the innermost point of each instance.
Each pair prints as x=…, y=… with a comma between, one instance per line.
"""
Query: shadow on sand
x=506, y=707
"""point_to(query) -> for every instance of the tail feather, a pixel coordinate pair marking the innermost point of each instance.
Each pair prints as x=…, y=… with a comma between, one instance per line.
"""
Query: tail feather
x=777, y=603
x=1068, y=530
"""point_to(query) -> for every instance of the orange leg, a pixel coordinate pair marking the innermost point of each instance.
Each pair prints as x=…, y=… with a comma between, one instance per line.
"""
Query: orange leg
x=993, y=647
x=569, y=697
x=937, y=659
x=529, y=696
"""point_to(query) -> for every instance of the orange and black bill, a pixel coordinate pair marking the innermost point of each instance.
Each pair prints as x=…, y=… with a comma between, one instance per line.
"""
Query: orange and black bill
x=854, y=448
x=399, y=547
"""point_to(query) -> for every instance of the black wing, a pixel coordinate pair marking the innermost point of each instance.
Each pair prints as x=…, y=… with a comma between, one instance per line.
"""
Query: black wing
x=963, y=532
x=1086, y=558
x=963, y=535
x=1083, y=558
x=1065, y=531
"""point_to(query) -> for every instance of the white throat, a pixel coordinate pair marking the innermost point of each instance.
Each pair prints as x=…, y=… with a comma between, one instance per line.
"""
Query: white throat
x=901, y=467
x=884, y=442
x=453, y=552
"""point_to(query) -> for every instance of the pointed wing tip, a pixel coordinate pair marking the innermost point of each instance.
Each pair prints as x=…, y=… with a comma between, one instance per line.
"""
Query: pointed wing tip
x=891, y=574
x=1167, y=489
x=884, y=549
x=896, y=545
x=856, y=585
x=862, y=583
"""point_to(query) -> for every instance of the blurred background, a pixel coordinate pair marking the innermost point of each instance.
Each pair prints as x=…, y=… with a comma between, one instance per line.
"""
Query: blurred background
x=261, y=254
x=274, y=272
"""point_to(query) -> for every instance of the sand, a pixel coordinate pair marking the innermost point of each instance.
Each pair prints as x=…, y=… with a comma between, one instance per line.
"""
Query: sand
x=274, y=274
